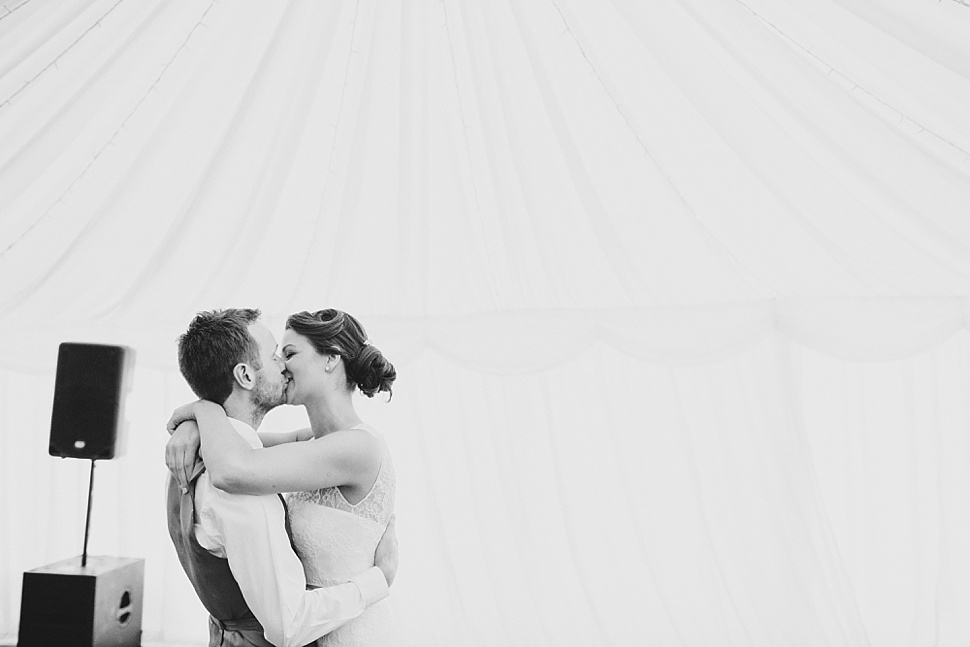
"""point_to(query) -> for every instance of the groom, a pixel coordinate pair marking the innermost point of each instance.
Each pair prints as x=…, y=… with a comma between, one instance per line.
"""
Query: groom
x=234, y=548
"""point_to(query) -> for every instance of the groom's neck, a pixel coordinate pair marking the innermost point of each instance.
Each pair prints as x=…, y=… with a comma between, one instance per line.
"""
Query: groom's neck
x=240, y=407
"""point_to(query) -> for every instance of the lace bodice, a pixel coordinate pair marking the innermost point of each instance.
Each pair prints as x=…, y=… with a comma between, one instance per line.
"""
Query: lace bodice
x=378, y=505
x=336, y=541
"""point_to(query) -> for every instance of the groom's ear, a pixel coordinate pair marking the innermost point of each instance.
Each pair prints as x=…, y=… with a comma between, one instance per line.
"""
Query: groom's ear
x=244, y=375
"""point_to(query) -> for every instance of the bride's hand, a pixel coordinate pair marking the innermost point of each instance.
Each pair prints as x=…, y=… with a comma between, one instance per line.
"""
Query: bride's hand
x=386, y=557
x=180, y=415
x=182, y=452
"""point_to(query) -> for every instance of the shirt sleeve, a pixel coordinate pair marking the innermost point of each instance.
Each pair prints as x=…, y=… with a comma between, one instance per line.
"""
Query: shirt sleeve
x=271, y=578
x=372, y=585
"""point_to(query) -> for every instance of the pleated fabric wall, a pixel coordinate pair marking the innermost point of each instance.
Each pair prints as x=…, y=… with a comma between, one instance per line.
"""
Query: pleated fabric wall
x=677, y=292
x=777, y=495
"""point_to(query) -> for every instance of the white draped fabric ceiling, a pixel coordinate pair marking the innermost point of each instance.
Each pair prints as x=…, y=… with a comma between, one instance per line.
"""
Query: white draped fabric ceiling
x=678, y=293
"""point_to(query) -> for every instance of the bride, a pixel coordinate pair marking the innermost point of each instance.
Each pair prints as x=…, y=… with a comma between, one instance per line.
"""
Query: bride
x=341, y=478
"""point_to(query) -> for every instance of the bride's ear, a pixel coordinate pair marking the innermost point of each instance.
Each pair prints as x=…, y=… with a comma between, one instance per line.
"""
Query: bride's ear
x=332, y=361
x=244, y=376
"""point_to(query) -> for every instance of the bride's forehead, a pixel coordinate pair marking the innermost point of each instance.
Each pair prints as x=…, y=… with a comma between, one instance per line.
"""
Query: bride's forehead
x=294, y=338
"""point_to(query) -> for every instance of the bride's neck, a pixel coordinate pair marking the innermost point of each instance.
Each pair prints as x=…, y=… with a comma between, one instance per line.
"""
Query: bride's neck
x=328, y=416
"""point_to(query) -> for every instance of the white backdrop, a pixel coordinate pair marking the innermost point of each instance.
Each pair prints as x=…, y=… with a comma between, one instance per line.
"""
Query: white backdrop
x=777, y=495
x=677, y=292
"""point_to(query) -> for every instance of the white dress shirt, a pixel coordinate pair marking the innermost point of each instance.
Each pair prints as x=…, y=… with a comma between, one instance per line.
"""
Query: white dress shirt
x=250, y=532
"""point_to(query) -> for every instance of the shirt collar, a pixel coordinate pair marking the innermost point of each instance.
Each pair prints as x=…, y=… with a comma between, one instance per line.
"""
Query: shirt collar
x=247, y=432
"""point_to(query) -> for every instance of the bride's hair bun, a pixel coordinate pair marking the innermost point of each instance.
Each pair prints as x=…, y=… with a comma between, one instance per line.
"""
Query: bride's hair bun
x=371, y=371
x=334, y=332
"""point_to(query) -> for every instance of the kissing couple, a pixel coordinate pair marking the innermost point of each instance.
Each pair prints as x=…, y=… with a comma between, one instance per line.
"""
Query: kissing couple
x=315, y=565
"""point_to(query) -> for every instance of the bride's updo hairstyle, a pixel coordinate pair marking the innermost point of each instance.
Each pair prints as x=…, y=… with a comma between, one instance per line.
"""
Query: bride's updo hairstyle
x=333, y=332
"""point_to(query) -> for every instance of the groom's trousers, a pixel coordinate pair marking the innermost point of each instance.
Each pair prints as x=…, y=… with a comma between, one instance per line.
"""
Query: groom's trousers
x=226, y=635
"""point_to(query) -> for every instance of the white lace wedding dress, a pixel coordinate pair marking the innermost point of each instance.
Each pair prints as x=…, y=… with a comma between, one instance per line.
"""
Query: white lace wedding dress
x=336, y=541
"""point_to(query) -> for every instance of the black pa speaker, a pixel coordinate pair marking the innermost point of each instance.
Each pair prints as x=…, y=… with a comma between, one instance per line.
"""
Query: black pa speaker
x=89, y=395
x=97, y=605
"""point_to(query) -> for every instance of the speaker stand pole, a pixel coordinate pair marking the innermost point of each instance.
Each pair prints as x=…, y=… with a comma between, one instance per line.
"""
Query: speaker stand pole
x=87, y=518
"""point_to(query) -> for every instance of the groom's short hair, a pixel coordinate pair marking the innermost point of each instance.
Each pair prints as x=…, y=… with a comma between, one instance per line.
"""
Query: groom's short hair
x=215, y=342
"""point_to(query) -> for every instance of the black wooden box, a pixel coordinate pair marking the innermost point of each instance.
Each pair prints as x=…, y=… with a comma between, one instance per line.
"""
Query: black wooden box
x=97, y=605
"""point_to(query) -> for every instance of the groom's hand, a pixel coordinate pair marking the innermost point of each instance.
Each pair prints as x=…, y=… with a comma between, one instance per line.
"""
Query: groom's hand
x=386, y=557
x=182, y=452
